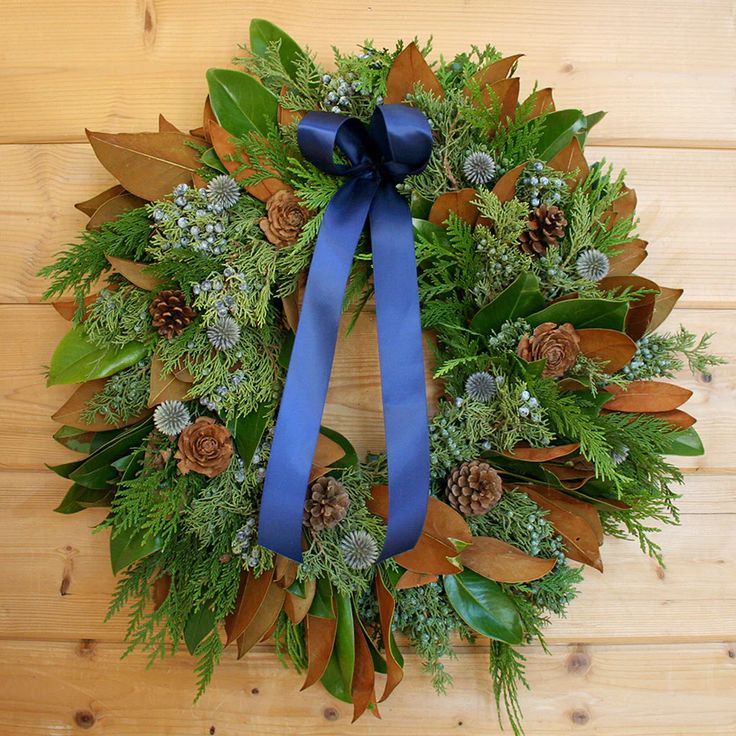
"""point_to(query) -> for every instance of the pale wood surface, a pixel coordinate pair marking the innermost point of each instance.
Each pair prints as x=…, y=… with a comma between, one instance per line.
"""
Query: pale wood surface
x=644, y=650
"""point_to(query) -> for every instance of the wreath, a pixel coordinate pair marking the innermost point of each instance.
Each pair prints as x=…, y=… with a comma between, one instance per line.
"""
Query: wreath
x=491, y=245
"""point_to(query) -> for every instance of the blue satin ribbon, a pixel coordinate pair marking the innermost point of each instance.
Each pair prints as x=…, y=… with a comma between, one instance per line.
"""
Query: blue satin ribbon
x=397, y=143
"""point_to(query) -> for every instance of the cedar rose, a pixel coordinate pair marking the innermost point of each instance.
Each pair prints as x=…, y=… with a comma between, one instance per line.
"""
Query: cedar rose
x=285, y=218
x=205, y=447
x=559, y=346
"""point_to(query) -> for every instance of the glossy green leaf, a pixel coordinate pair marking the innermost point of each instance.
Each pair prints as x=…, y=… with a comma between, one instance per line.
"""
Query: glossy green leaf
x=685, y=442
x=248, y=431
x=263, y=34
x=430, y=232
x=127, y=547
x=65, y=470
x=582, y=313
x=240, y=102
x=521, y=298
x=98, y=469
x=350, y=457
x=298, y=589
x=420, y=206
x=338, y=676
x=211, y=159
x=77, y=360
x=78, y=498
x=483, y=605
x=322, y=601
x=559, y=128
x=80, y=440
x=198, y=625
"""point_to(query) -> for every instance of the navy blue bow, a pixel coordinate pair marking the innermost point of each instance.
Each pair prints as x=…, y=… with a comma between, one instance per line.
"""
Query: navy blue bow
x=397, y=143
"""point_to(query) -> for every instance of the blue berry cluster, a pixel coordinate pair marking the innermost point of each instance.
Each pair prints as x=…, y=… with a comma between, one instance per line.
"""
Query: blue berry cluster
x=190, y=220
x=231, y=279
x=338, y=92
x=650, y=360
x=502, y=261
x=245, y=544
x=540, y=185
x=529, y=406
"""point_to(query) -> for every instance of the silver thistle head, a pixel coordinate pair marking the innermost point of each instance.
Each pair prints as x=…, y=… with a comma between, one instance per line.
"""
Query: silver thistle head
x=480, y=386
x=592, y=265
x=223, y=191
x=359, y=549
x=171, y=417
x=224, y=334
x=479, y=168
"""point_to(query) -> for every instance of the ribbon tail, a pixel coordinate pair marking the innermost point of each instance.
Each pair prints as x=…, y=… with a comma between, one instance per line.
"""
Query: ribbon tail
x=303, y=399
x=402, y=369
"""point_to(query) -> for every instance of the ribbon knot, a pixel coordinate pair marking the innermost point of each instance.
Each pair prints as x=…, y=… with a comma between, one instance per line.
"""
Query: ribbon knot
x=396, y=144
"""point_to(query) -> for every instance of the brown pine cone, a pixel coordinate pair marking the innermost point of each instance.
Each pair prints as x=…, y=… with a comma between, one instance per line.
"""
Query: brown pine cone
x=204, y=447
x=474, y=488
x=545, y=226
x=326, y=505
x=285, y=218
x=170, y=313
x=559, y=346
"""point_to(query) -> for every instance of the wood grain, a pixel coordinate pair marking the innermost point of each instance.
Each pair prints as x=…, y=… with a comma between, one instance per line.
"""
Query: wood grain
x=664, y=68
x=645, y=651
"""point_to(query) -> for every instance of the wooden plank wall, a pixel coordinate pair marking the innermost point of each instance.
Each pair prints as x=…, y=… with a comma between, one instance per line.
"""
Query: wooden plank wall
x=645, y=650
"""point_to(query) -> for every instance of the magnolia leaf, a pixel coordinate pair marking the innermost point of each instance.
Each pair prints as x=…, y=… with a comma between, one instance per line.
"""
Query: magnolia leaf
x=628, y=258
x=582, y=313
x=411, y=579
x=496, y=560
x=611, y=348
x=521, y=298
x=164, y=126
x=505, y=187
x=78, y=498
x=113, y=208
x=543, y=103
x=297, y=607
x=540, y=454
x=160, y=589
x=230, y=157
x=208, y=116
x=363, y=690
x=90, y=206
x=647, y=397
x=640, y=309
x=290, y=304
x=129, y=546
x=241, y=104
x=264, y=619
x=408, y=69
x=264, y=34
x=247, y=431
x=198, y=625
x=350, y=455
x=461, y=203
x=677, y=419
x=250, y=598
x=394, y=661
x=83, y=440
x=284, y=573
x=494, y=72
x=136, y=273
x=574, y=506
x=434, y=551
x=211, y=159
x=67, y=308
x=559, y=129
x=338, y=675
x=570, y=160
x=625, y=205
x=664, y=303
x=148, y=165
x=70, y=412
x=321, y=629
x=77, y=360
x=504, y=93
x=686, y=442
x=164, y=386
x=484, y=607
x=581, y=539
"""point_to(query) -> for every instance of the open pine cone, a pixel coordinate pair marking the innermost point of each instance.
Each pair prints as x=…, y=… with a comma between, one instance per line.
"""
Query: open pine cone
x=545, y=226
x=474, y=488
x=327, y=504
x=170, y=313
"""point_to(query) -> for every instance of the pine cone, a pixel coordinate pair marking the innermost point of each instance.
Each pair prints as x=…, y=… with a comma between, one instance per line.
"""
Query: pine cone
x=474, y=488
x=559, y=346
x=170, y=313
x=327, y=504
x=546, y=225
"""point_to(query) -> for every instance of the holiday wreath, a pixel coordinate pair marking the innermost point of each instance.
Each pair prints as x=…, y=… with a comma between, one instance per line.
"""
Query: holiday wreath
x=234, y=516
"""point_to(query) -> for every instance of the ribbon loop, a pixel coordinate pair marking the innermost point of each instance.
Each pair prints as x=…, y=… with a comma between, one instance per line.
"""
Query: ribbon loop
x=397, y=143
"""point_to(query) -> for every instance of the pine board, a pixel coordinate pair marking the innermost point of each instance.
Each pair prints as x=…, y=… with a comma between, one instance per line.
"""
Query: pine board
x=645, y=651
